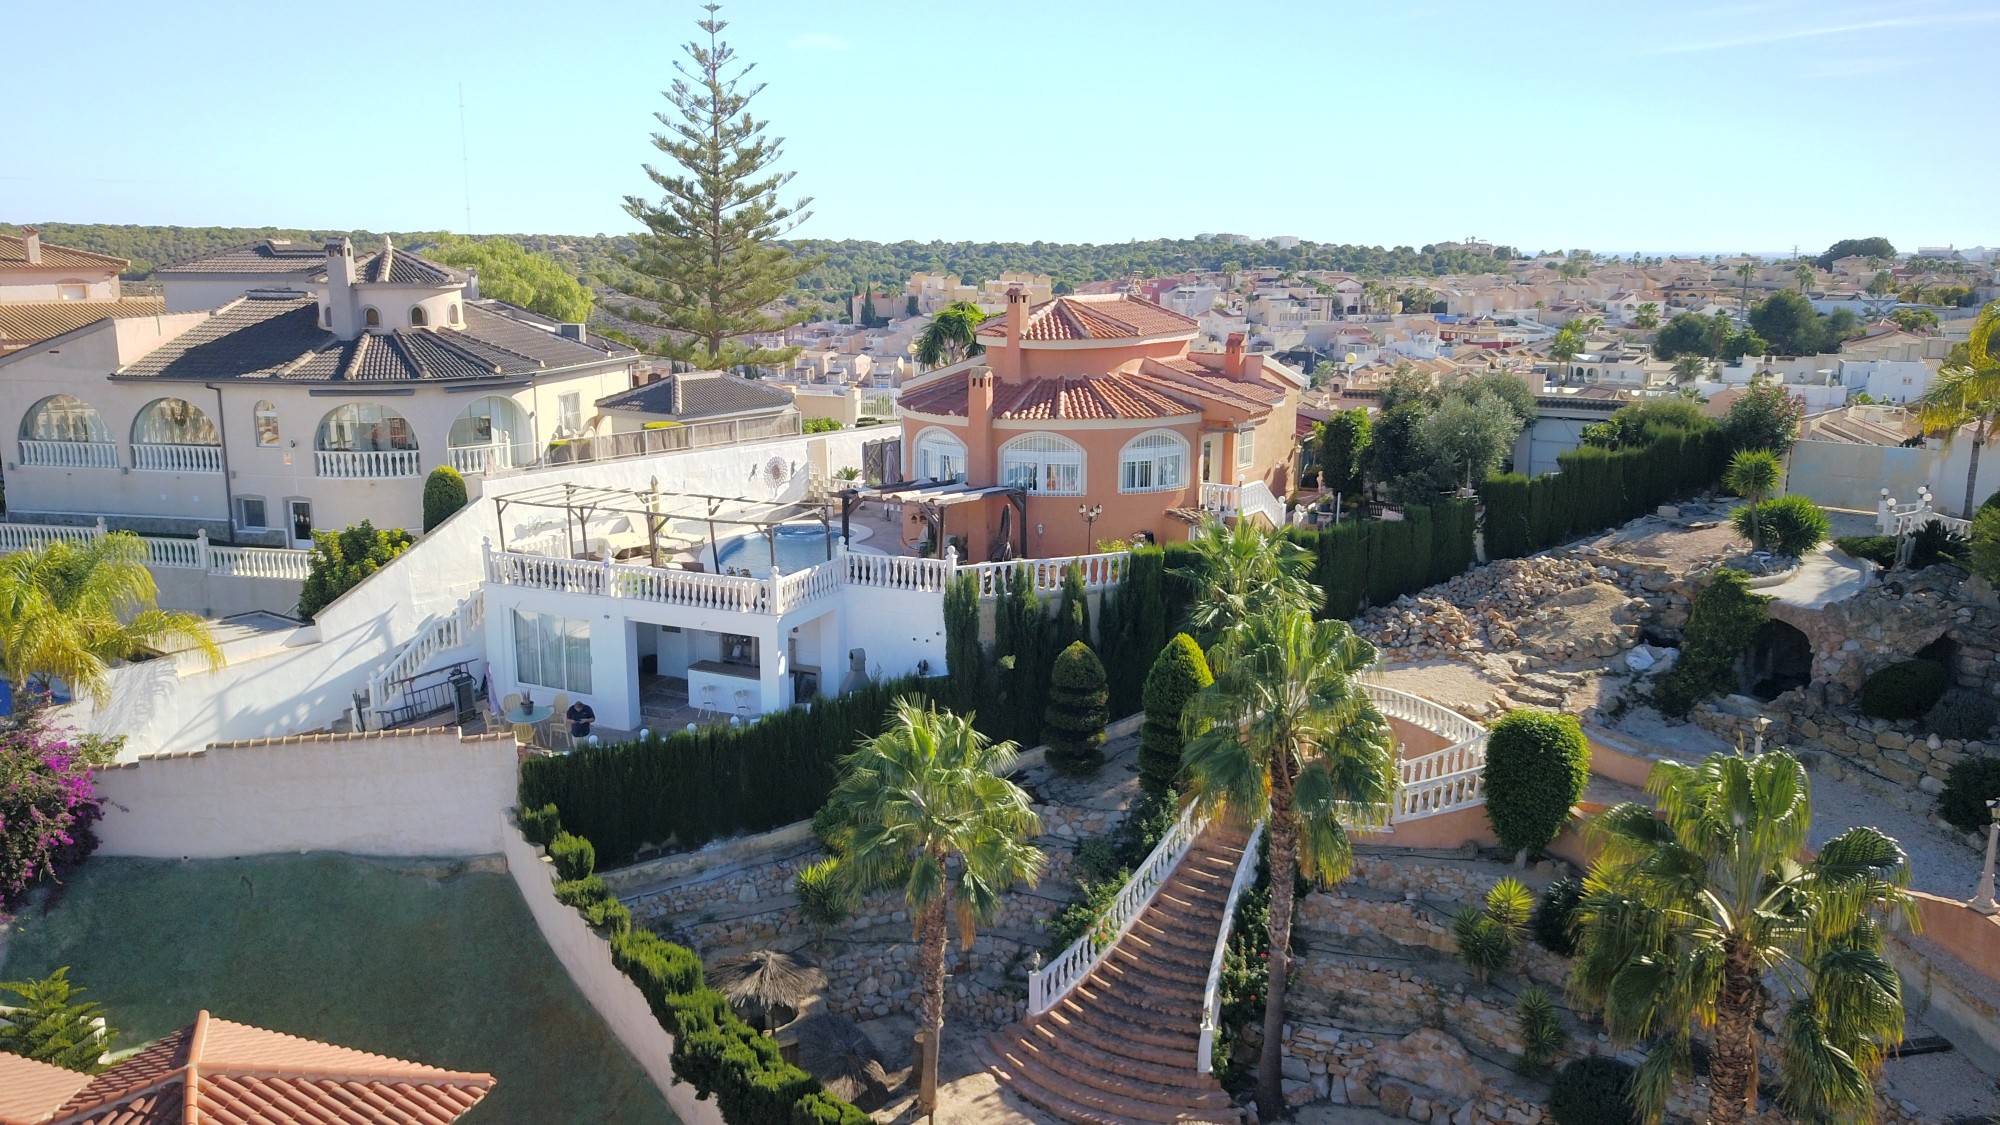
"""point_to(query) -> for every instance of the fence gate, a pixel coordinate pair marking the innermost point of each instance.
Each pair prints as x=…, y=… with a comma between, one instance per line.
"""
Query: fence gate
x=882, y=461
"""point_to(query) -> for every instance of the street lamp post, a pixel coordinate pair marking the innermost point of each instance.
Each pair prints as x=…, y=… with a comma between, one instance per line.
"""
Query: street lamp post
x=1089, y=512
x=1983, y=901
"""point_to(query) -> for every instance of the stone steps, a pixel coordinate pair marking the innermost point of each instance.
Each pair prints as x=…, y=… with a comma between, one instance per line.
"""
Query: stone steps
x=1121, y=1048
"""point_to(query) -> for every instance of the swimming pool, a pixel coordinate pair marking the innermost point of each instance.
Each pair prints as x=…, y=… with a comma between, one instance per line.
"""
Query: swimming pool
x=800, y=545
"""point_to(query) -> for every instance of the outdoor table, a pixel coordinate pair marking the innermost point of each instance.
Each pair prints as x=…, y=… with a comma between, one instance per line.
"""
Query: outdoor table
x=527, y=723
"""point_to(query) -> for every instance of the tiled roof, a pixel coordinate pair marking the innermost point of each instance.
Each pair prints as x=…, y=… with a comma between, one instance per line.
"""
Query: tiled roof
x=277, y=336
x=24, y=324
x=390, y=266
x=273, y=255
x=14, y=255
x=31, y=1091
x=1114, y=316
x=224, y=1073
x=1064, y=399
x=703, y=394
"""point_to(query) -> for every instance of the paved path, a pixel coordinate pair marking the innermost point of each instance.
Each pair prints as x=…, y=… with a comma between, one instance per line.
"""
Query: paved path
x=1825, y=576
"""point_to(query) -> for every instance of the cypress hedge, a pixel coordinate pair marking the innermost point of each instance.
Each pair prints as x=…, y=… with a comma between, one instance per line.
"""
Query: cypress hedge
x=1596, y=488
x=1361, y=563
x=965, y=657
x=1180, y=671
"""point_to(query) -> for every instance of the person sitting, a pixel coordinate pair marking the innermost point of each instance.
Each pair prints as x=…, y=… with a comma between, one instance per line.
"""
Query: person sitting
x=580, y=717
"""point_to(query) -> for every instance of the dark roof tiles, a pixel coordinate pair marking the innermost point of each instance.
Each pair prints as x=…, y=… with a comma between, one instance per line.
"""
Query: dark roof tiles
x=14, y=255
x=272, y=255
x=699, y=395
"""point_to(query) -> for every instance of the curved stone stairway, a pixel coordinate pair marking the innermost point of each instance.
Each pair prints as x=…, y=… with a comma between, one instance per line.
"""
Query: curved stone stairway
x=1122, y=1047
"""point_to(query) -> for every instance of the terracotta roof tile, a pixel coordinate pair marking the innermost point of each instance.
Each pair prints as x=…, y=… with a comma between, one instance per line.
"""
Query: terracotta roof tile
x=1114, y=316
x=1082, y=399
x=24, y=324
x=31, y=1092
x=14, y=255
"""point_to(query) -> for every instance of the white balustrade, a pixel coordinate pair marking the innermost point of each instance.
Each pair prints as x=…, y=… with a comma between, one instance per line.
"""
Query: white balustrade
x=439, y=633
x=69, y=454
x=1211, y=996
x=481, y=459
x=176, y=554
x=381, y=464
x=1100, y=571
x=181, y=554
x=260, y=562
x=809, y=584
x=1222, y=499
x=895, y=572
x=1049, y=985
x=29, y=536
x=177, y=458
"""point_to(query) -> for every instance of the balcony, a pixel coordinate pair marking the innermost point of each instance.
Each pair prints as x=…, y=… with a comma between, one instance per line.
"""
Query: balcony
x=69, y=454
x=177, y=458
x=386, y=464
x=475, y=459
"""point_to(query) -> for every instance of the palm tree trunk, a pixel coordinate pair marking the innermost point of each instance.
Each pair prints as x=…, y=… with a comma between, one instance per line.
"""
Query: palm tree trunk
x=931, y=935
x=1283, y=860
x=1972, y=474
x=1732, y=1069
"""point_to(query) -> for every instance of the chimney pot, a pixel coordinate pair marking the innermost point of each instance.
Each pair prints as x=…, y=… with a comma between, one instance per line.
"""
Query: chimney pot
x=31, y=245
x=1232, y=363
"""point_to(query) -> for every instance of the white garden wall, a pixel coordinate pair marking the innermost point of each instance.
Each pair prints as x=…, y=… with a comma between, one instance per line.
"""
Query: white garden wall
x=402, y=793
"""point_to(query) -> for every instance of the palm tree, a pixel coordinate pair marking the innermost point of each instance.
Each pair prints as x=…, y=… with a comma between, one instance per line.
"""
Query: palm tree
x=1286, y=733
x=1242, y=572
x=1647, y=315
x=951, y=335
x=1682, y=918
x=1804, y=275
x=932, y=810
x=1753, y=474
x=1565, y=347
x=68, y=609
x=1746, y=272
x=1967, y=394
x=1689, y=368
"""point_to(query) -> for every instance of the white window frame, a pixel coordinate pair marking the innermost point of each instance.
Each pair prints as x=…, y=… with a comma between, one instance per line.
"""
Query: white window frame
x=539, y=637
x=938, y=450
x=1246, y=448
x=1149, y=464
x=569, y=413
x=1045, y=463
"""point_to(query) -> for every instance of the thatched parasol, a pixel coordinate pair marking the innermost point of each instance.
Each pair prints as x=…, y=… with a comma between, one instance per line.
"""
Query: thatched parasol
x=766, y=987
x=833, y=1049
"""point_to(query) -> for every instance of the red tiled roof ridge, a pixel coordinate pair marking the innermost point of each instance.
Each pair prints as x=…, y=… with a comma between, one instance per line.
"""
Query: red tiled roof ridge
x=51, y=247
x=407, y=1071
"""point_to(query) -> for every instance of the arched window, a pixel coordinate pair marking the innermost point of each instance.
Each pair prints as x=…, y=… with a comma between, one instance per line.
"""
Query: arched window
x=490, y=433
x=417, y=316
x=173, y=421
x=65, y=432
x=371, y=318
x=451, y=313
x=1047, y=463
x=267, y=423
x=939, y=456
x=1155, y=461
x=363, y=427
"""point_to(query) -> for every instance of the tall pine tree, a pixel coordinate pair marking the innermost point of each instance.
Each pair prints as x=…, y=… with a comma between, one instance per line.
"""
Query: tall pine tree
x=709, y=260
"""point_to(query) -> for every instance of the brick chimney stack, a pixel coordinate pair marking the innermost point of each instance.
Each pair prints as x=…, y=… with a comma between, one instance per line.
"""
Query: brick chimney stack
x=1232, y=356
x=1016, y=366
x=31, y=245
x=344, y=317
x=979, y=391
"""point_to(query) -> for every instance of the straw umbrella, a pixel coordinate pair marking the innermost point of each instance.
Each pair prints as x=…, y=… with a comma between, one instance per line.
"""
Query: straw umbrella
x=834, y=1049
x=766, y=987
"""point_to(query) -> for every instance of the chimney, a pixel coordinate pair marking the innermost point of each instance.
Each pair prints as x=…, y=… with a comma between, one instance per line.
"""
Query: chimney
x=1232, y=356
x=31, y=245
x=344, y=317
x=1017, y=319
x=979, y=390
x=472, y=285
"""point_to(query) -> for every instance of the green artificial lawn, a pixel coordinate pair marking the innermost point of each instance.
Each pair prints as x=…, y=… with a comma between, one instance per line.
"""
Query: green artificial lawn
x=440, y=967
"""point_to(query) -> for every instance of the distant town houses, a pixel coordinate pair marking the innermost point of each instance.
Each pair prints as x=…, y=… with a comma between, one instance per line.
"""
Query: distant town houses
x=47, y=290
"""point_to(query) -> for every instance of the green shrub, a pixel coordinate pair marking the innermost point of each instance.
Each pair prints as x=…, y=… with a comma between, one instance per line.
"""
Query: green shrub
x=341, y=559
x=1537, y=763
x=826, y=897
x=1793, y=524
x=573, y=856
x=607, y=916
x=1076, y=919
x=965, y=656
x=1904, y=690
x=655, y=964
x=540, y=825
x=1962, y=714
x=1983, y=549
x=444, y=494
x=1178, y=673
x=1097, y=861
x=1971, y=783
x=831, y=828
x=1724, y=618
x=1542, y=1033
x=1079, y=707
x=1596, y=1090
x=1878, y=549
x=1934, y=543
x=1483, y=944
x=1554, y=923
x=819, y=425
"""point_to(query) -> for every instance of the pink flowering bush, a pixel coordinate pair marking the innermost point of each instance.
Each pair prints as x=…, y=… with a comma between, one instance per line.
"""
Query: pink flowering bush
x=48, y=803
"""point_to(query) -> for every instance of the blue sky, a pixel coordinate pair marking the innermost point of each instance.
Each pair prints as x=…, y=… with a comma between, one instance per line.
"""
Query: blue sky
x=1610, y=125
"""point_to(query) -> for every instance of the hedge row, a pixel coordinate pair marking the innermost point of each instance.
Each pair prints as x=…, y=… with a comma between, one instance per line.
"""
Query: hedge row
x=1595, y=488
x=714, y=1051
x=1363, y=563
x=689, y=788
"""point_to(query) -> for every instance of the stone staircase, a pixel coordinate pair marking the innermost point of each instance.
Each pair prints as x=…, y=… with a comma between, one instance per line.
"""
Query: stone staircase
x=1121, y=1048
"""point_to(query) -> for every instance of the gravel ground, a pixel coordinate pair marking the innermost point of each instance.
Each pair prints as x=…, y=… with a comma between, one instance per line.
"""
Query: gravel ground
x=1940, y=860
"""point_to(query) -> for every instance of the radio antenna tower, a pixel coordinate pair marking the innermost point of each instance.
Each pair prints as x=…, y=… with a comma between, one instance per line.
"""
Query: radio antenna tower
x=464, y=160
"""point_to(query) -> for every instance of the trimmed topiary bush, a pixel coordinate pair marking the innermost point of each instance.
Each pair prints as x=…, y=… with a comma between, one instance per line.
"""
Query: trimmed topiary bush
x=1970, y=784
x=1792, y=524
x=1079, y=706
x=540, y=825
x=444, y=494
x=1177, y=674
x=574, y=856
x=1537, y=763
x=1962, y=714
x=1554, y=923
x=1593, y=1091
x=1904, y=690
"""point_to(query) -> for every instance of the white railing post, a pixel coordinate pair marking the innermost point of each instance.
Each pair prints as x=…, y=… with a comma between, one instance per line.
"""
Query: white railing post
x=1211, y=996
x=201, y=549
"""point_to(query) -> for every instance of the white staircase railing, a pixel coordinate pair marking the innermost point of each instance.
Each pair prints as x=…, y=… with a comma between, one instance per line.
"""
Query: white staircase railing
x=1047, y=986
x=1257, y=500
x=1211, y=996
x=439, y=634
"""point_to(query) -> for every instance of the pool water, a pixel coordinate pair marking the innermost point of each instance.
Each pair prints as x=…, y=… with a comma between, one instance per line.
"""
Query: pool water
x=800, y=545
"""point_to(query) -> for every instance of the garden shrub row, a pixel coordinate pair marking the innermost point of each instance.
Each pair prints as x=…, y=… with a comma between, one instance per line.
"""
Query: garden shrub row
x=714, y=1051
x=1364, y=563
x=1596, y=488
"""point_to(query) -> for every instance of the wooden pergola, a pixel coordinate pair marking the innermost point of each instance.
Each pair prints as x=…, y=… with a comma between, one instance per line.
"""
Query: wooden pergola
x=934, y=498
x=581, y=504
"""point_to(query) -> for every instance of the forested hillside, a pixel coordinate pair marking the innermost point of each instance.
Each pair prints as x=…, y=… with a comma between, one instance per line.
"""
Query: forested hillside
x=849, y=264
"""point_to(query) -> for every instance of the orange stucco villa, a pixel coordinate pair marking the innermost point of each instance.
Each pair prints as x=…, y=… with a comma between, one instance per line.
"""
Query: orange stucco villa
x=1094, y=402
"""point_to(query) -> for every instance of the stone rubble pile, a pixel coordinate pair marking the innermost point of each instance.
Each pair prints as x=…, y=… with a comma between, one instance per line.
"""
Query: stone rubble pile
x=1478, y=610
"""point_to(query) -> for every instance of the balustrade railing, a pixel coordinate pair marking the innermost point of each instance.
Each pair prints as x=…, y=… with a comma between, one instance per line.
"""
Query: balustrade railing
x=1415, y=709
x=481, y=459
x=185, y=554
x=1100, y=571
x=673, y=439
x=1222, y=499
x=381, y=464
x=896, y=572
x=441, y=633
x=69, y=454
x=1047, y=986
x=260, y=562
x=803, y=586
x=29, y=536
x=1211, y=996
x=176, y=554
x=177, y=458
